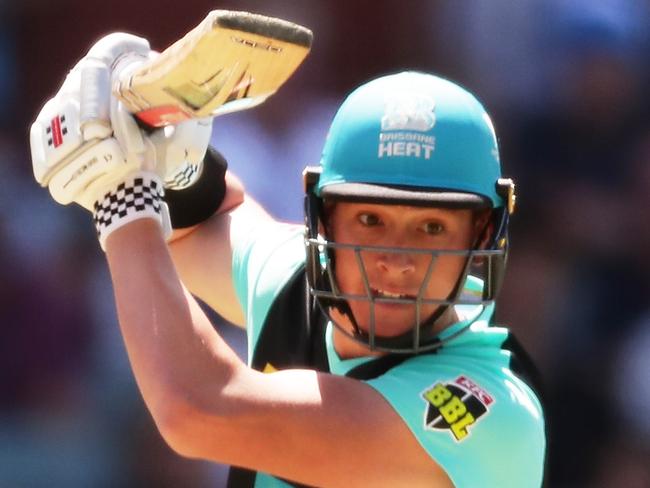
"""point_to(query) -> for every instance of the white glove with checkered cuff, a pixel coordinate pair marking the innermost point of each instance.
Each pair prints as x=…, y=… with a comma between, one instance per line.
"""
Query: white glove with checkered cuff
x=138, y=196
x=78, y=155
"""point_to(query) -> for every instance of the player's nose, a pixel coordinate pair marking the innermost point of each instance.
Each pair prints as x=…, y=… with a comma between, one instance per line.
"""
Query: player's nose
x=396, y=263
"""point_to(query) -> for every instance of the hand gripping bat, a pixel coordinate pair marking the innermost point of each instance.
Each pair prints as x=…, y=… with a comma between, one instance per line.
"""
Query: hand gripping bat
x=230, y=61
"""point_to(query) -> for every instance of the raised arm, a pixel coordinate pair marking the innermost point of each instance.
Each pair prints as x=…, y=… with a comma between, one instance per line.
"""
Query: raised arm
x=311, y=427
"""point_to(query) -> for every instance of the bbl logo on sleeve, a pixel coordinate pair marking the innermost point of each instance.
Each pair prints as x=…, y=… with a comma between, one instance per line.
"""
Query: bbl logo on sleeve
x=455, y=406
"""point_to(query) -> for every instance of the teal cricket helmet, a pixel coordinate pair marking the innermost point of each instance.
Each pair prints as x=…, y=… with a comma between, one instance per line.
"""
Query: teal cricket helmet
x=413, y=138
x=409, y=139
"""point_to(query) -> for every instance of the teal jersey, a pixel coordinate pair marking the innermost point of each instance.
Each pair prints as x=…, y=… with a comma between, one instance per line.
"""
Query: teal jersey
x=464, y=403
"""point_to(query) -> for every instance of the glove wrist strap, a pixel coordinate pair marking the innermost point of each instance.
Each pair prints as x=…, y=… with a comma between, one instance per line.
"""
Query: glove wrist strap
x=138, y=196
x=197, y=202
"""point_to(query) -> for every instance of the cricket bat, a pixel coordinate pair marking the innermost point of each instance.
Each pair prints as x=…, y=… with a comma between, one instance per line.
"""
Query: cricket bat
x=231, y=61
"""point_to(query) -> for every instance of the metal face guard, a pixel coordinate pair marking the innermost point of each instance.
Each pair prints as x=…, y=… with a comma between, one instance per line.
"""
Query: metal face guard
x=472, y=290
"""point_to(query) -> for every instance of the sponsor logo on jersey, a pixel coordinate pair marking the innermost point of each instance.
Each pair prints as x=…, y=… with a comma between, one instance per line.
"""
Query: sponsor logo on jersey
x=404, y=126
x=455, y=406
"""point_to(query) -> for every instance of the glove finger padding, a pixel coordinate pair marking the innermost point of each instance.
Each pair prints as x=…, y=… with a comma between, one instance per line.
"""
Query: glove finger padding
x=112, y=47
x=130, y=137
x=103, y=63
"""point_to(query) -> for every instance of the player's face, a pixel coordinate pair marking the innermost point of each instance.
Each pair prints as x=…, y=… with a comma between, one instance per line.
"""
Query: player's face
x=398, y=274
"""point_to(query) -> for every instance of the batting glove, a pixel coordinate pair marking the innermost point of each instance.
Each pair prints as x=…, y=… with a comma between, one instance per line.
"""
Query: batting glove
x=76, y=154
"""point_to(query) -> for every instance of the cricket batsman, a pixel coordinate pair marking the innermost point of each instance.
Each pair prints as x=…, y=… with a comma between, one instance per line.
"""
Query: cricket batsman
x=373, y=359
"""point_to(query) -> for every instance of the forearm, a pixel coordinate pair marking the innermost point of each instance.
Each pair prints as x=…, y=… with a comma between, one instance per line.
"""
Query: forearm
x=171, y=345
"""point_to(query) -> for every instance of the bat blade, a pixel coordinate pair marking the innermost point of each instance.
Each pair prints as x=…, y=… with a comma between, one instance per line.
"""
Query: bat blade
x=230, y=61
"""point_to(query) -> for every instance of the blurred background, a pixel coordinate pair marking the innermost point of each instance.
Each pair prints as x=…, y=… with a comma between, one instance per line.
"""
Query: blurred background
x=567, y=84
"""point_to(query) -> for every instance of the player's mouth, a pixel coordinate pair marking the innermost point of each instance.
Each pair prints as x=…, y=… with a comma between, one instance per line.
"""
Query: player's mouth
x=380, y=293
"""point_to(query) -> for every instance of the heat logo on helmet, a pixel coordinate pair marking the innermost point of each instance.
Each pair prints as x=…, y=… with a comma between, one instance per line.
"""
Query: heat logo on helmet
x=455, y=406
x=404, y=127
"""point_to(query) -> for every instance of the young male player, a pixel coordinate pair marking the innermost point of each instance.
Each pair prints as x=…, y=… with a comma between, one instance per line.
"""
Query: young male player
x=373, y=360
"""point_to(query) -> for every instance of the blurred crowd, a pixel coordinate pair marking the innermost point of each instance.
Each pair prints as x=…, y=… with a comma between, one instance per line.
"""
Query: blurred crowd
x=566, y=82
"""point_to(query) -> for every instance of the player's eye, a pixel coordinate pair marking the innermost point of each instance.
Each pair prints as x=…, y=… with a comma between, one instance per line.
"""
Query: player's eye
x=369, y=219
x=433, y=228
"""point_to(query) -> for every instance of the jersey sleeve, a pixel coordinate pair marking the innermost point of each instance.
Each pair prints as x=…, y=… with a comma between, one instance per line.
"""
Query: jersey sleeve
x=479, y=422
x=262, y=265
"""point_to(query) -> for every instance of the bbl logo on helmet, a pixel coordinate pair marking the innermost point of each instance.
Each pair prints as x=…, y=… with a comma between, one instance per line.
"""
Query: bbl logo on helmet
x=404, y=124
x=455, y=406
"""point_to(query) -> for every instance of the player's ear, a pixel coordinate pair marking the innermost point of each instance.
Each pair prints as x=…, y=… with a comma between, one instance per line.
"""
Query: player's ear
x=483, y=228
